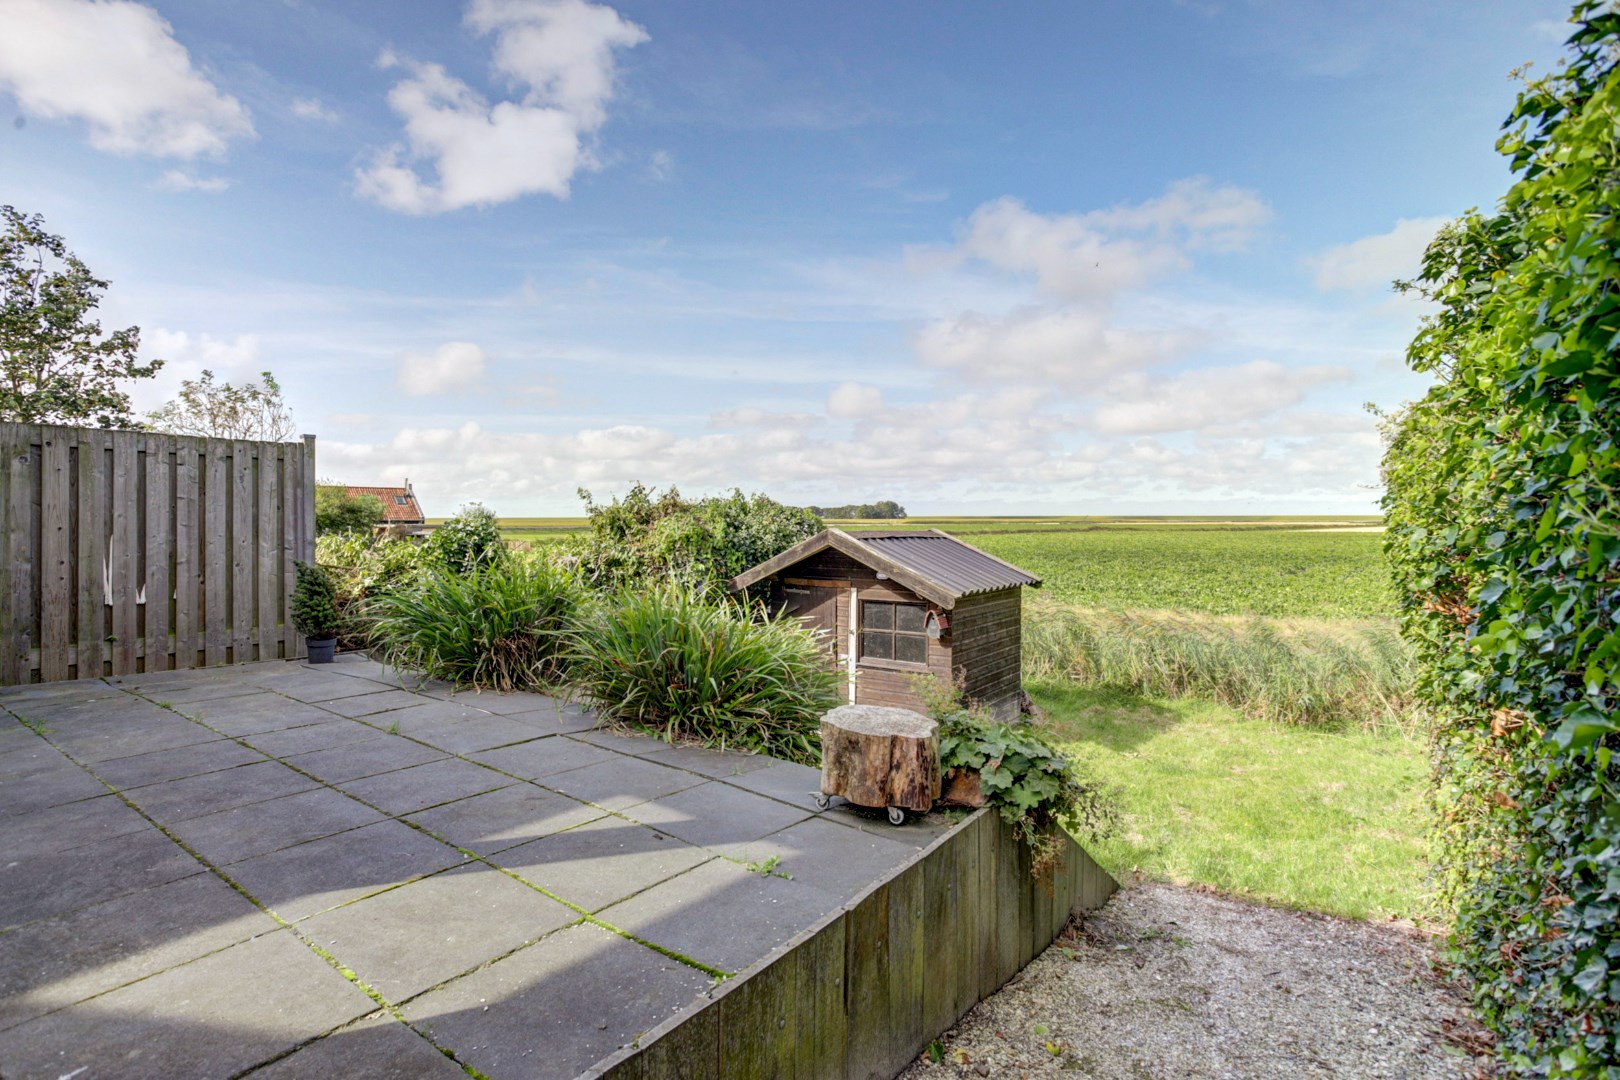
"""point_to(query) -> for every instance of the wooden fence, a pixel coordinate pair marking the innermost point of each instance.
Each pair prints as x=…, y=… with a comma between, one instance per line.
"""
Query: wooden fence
x=126, y=551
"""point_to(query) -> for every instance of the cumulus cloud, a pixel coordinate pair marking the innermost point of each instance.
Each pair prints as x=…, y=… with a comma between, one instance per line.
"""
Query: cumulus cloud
x=852, y=400
x=1375, y=261
x=115, y=66
x=1138, y=404
x=1065, y=348
x=180, y=180
x=559, y=53
x=309, y=108
x=455, y=365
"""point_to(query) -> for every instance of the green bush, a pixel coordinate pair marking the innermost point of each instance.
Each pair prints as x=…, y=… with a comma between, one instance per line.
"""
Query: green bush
x=651, y=537
x=504, y=626
x=1326, y=674
x=361, y=566
x=1503, y=509
x=684, y=666
x=314, y=608
x=336, y=511
x=469, y=541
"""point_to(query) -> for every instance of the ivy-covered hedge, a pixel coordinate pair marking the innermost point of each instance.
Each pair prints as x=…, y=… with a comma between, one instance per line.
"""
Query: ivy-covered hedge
x=1503, y=508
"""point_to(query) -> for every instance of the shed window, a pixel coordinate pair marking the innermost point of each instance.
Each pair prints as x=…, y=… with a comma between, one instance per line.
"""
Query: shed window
x=402, y=500
x=894, y=632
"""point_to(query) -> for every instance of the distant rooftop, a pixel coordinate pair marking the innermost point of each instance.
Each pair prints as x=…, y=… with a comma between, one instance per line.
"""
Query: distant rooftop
x=399, y=503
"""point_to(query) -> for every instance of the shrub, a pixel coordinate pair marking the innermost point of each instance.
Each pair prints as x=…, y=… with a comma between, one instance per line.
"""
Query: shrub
x=314, y=611
x=1320, y=673
x=360, y=567
x=678, y=664
x=1502, y=511
x=504, y=626
x=336, y=511
x=648, y=536
x=469, y=541
x=1032, y=784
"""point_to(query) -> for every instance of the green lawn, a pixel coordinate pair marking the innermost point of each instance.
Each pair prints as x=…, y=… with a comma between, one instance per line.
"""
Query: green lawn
x=1305, y=819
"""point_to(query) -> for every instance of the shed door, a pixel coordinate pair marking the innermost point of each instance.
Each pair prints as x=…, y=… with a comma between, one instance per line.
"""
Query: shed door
x=818, y=607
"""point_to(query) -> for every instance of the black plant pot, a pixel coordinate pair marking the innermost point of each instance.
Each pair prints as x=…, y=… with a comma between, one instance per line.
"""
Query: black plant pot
x=321, y=649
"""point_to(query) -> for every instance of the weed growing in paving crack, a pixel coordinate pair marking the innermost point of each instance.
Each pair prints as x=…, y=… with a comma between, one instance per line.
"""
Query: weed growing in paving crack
x=767, y=867
x=36, y=726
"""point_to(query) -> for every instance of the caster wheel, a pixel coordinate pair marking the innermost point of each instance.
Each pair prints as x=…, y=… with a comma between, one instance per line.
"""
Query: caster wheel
x=822, y=801
x=897, y=816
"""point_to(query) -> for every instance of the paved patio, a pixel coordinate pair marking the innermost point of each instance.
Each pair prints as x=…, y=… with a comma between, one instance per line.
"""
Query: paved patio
x=284, y=871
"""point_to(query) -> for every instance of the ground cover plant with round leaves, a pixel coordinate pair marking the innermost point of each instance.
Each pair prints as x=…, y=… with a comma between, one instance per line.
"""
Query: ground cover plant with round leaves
x=1504, y=538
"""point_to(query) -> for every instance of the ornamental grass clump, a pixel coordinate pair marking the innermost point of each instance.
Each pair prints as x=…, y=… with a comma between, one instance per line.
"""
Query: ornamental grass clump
x=689, y=667
x=506, y=626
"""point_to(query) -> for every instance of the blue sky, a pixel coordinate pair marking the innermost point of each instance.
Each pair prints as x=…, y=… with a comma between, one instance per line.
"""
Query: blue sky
x=1032, y=258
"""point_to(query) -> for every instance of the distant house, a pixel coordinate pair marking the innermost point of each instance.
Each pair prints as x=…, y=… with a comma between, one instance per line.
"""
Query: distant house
x=399, y=504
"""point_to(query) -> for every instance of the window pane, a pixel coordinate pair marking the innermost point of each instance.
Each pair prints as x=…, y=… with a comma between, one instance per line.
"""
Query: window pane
x=911, y=648
x=877, y=615
x=877, y=646
x=908, y=618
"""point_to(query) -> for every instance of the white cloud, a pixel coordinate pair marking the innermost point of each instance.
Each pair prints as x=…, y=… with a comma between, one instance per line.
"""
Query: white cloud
x=560, y=53
x=314, y=109
x=116, y=66
x=852, y=401
x=1097, y=254
x=1065, y=348
x=185, y=355
x=1138, y=404
x=180, y=180
x=455, y=365
x=661, y=165
x=1376, y=260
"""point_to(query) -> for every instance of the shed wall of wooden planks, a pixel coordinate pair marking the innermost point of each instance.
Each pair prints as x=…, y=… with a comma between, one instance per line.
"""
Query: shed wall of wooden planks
x=130, y=551
x=860, y=994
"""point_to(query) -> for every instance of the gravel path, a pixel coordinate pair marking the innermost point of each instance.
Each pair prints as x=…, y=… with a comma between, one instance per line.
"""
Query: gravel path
x=1167, y=982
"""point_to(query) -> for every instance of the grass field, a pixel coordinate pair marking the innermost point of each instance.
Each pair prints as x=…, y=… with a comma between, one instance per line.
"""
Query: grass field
x=1316, y=821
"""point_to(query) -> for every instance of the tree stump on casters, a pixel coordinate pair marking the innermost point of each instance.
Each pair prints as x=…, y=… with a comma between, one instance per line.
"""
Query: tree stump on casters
x=876, y=756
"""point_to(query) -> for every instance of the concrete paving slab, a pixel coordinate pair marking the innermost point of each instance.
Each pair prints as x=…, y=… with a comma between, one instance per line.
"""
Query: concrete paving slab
x=721, y=914
x=623, y=742
x=375, y=1048
x=623, y=782
x=543, y=757
x=242, y=1006
x=137, y=733
x=195, y=796
x=300, y=881
x=311, y=737
x=715, y=815
x=552, y=1010
x=829, y=857
x=418, y=935
x=101, y=704
x=367, y=758
x=381, y=700
x=505, y=818
x=253, y=714
x=504, y=704
x=231, y=835
x=719, y=764
x=782, y=780
x=600, y=862
x=53, y=963
x=48, y=786
x=417, y=788
x=32, y=758
x=918, y=832
x=310, y=685
x=431, y=712
x=47, y=884
x=66, y=827
x=482, y=732
x=561, y=720
x=155, y=768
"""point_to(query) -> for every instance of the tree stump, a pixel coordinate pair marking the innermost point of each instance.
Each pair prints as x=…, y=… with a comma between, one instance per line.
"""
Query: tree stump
x=876, y=756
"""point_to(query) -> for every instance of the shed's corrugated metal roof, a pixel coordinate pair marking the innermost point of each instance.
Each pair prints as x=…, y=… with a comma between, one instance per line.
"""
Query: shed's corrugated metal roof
x=947, y=561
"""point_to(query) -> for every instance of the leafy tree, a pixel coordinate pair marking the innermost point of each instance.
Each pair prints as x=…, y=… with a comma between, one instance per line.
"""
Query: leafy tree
x=885, y=509
x=56, y=366
x=226, y=411
x=651, y=537
x=1504, y=537
x=336, y=511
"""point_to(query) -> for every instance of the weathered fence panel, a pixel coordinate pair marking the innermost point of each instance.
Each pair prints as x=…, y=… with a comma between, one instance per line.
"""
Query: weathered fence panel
x=128, y=551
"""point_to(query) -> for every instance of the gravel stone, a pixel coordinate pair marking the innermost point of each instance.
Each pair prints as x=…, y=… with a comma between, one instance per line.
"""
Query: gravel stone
x=1172, y=982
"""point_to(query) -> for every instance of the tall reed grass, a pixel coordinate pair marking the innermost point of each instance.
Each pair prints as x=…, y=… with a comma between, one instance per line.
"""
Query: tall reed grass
x=507, y=626
x=686, y=666
x=1323, y=673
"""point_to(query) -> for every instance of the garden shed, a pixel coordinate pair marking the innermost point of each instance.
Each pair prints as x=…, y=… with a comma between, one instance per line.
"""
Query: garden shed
x=894, y=604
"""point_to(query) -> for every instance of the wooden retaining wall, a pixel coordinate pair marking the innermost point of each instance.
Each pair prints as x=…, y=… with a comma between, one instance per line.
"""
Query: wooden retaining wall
x=124, y=551
x=860, y=994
